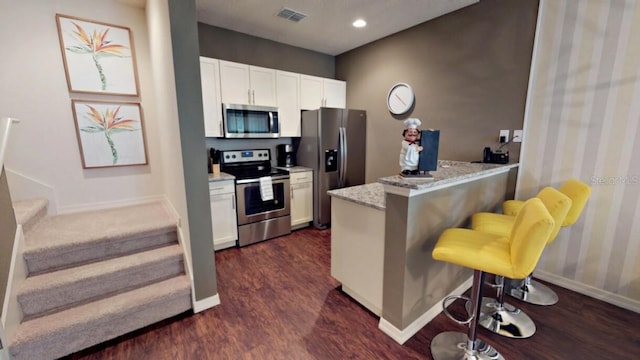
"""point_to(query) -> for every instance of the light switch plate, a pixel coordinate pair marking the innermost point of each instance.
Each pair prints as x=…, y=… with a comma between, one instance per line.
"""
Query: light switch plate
x=504, y=133
x=517, y=135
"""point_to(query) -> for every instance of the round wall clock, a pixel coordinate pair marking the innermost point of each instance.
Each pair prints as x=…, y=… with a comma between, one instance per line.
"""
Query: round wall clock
x=400, y=98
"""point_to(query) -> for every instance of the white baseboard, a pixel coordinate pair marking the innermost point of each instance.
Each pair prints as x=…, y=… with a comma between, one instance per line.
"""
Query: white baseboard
x=401, y=336
x=588, y=290
x=207, y=303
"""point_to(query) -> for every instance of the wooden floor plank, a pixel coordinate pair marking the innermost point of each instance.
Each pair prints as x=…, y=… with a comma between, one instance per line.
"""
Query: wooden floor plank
x=278, y=301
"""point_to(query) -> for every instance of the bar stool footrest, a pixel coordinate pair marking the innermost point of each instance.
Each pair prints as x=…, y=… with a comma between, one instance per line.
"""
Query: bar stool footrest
x=445, y=304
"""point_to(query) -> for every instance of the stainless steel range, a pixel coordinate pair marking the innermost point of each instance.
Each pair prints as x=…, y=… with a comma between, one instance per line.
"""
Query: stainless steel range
x=262, y=195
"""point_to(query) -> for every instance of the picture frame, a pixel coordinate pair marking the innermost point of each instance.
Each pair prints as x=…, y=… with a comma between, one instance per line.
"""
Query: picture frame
x=109, y=133
x=99, y=58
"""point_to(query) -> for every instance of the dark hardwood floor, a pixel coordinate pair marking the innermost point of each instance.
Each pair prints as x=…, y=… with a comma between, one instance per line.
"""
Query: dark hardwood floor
x=278, y=301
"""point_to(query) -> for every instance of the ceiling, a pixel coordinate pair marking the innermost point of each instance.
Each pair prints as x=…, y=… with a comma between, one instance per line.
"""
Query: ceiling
x=327, y=27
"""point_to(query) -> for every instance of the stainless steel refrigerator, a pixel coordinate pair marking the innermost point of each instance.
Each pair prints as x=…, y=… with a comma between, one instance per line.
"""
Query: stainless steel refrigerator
x=333, y=144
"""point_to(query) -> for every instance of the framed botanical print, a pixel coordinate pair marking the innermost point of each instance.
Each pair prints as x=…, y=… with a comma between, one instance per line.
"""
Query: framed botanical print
x=98, y=58
x=109, y=133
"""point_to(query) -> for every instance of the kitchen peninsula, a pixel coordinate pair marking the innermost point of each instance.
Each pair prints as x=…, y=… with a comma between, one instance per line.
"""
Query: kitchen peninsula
x=382, y=235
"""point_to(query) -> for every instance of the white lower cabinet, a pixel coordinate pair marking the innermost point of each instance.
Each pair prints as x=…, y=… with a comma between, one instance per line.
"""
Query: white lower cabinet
x=222, y=196
x=301, y=199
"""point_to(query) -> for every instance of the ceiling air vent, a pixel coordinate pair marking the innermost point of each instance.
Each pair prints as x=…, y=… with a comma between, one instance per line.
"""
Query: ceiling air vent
x=292, y=15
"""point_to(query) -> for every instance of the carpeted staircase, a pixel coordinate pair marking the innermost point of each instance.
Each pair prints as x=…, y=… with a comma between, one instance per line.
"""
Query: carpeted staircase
x=94, y=276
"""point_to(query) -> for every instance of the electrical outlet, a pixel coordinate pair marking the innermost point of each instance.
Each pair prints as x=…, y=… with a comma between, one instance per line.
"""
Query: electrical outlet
x=504, y=136
x=517, y=135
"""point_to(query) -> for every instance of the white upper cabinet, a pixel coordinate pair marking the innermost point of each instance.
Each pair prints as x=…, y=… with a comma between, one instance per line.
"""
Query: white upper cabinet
x=316, y=92
x=211, y=102
x=335, y=93
x=288, y=96
x=263, y=86
x=247, y=84
x=310, y=92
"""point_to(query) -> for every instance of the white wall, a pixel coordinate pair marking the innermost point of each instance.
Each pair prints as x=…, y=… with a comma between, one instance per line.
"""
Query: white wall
x=583, y=121
x=33, y=88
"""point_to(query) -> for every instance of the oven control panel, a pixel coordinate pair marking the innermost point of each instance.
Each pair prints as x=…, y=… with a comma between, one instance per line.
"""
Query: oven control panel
x=240, y=156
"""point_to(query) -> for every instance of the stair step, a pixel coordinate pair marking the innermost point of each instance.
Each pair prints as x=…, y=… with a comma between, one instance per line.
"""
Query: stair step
x=58, y=290
x=29, y=212
x=67, y=240
x=78, y=328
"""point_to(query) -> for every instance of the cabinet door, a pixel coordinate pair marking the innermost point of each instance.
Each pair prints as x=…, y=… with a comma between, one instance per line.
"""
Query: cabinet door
x=234, y=83
x=263, y=86
x=301, y=198
x=211, y=103
x=301, y=204
x=288, y=96
x=335, y=93
x=310, y=92
x=223, y=218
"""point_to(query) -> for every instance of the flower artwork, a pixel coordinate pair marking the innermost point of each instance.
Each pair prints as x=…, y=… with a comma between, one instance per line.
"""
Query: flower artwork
x=98, y=57
x=109, y=134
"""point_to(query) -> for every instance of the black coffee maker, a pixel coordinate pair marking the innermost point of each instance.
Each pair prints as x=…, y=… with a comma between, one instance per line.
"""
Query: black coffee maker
x=286, y=155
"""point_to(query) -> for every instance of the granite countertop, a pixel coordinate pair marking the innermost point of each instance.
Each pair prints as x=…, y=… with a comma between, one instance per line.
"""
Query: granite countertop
x=449, y=172
x=221, y=176
x=371, y=195
x=294, y=169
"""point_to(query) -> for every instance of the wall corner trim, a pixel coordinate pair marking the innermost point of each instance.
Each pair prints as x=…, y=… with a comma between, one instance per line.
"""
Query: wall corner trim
x=207, y=303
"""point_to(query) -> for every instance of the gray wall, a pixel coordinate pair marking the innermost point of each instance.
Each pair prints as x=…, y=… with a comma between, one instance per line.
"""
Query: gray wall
x=7, y=234
x=469, y=70
x=230, y=45
x=184, y=36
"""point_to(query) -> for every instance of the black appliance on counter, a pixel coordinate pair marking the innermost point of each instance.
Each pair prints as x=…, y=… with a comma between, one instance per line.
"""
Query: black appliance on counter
x=262, y=214
x=286, y=155
x=495, y=157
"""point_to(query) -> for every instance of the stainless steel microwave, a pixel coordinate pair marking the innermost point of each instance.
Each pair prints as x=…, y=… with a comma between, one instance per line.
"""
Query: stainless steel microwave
x=250, y=121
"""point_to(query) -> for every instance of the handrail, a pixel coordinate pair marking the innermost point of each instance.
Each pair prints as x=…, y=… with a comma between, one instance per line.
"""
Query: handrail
x=5, y=129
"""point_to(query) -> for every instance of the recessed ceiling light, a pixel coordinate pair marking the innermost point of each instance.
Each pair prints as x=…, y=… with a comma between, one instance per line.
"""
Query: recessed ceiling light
x=359, y=23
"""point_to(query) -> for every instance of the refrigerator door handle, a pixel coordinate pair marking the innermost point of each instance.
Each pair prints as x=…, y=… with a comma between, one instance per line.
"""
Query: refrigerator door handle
x=343, y=156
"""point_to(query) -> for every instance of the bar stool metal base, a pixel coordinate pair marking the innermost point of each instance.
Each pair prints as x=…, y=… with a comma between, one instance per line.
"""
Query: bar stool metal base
x=452, y=345
x=508, y=321
x=532, y=292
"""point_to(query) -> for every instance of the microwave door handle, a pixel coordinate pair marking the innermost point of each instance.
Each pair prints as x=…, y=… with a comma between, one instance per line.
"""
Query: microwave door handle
x=270, y=121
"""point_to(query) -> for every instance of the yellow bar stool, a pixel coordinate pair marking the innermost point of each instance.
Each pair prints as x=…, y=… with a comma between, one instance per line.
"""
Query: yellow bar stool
x=497, y=316
x=529, y=290
x=514, y=256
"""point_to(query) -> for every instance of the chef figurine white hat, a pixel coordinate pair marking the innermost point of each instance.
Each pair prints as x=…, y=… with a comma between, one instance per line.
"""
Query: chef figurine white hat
x=412, y=123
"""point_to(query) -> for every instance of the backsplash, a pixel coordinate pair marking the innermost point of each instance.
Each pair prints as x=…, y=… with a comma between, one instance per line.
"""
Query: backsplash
x=241, y=144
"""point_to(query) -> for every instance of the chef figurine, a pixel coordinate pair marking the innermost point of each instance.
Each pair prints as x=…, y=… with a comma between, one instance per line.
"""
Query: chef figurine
x=410, y=151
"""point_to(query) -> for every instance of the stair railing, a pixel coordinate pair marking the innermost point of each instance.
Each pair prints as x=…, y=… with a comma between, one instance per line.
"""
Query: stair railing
x=5, y=129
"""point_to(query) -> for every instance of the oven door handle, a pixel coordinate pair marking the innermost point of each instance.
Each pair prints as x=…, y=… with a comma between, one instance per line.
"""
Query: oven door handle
x=274, y=180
